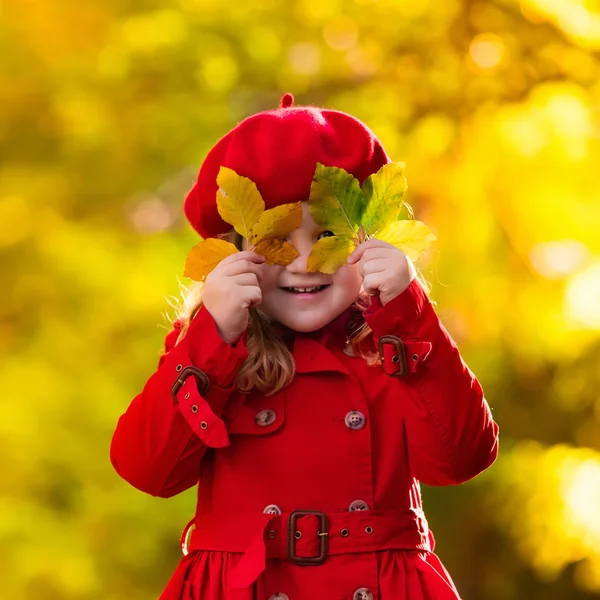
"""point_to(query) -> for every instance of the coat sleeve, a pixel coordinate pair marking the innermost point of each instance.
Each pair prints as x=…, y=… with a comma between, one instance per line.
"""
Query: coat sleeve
x=451, y=434
x=160, y=440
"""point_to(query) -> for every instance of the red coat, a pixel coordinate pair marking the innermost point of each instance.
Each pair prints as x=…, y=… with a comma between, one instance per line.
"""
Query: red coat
x=345, y=440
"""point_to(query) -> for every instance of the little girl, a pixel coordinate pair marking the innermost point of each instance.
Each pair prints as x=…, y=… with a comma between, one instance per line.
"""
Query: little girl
x=306, y=407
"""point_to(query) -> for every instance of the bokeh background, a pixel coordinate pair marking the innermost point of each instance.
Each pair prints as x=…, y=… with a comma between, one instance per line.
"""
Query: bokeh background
x=108, y=108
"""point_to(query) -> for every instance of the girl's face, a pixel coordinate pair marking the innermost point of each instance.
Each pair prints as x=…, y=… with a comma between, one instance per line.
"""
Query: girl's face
x=306, y=311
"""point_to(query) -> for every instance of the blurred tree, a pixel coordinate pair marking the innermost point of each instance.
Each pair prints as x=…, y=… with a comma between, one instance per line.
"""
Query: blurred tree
x=108, y=109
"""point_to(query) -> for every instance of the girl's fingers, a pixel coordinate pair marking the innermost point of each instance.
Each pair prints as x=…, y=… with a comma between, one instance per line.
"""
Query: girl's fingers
x=372, y=283
x=252, y=297
x=376, y=265
x=246, y=279
x=243, y=266
x=244, y=255
x=358, y=252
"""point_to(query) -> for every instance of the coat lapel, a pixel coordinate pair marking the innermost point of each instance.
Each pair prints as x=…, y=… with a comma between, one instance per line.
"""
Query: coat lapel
x=312, y=357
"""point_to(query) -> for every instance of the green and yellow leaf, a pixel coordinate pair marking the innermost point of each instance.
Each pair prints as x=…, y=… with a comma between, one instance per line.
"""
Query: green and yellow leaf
x=277, y=222
x=238, y=201
x=384, y=192
x=276, y=252
x=412, y=237
x=205, y=256
x=336, y=201
x=330, y=253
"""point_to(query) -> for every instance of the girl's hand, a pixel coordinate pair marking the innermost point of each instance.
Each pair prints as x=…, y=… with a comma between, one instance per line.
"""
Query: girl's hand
x=230, y=290
x=385, y=269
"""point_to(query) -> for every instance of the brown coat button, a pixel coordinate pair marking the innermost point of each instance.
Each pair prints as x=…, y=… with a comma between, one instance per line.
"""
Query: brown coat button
x=358, y=505
x=264, y=418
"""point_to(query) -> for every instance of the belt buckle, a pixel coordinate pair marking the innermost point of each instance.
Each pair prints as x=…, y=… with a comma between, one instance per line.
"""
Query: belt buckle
x=323, y=533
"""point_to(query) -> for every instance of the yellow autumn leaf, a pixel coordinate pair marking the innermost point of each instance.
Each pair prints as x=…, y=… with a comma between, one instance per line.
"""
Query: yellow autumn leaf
x=336, y=201
x=205, y=256
x=277, y=222
x=410, y=236
x=276, y=252
x=238, y=201
x=384, y=192
x=330, y=253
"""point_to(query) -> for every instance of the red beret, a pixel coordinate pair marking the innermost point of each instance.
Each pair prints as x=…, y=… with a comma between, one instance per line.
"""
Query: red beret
x=279, y=150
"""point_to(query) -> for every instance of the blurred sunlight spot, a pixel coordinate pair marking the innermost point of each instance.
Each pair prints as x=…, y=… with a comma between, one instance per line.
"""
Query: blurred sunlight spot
x=582, y=298
x=413, y=9
x=361, y=63
x=434, y=134
x=262, y=43
x=568, y=115
x=548, y=500
x=557, y=259
x=219, y=72
x=487, y=50
x=154, y=31
x=305, y=58
x=206, y=6
x=151, y=216
x=581, y=492
x=15, y=219
x=576, y=20
x=520, y=131
x=572, y=16
x=112, y=62
x=84, y=118
x=316, y=11
x=341, y=33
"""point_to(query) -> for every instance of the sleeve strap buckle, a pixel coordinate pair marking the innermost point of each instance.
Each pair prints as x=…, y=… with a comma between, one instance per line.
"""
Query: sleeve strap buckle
x=202, y=381
x=393, y=356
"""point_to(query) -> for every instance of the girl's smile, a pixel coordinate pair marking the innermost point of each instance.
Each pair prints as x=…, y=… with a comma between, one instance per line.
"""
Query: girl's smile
x=301, y=300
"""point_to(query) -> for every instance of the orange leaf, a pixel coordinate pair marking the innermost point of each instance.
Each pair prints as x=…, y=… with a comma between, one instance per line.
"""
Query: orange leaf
x=277, y=222
x=205, y=256
x=277, y=252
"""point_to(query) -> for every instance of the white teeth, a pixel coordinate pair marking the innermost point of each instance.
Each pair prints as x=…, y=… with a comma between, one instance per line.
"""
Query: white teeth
x=306, y=290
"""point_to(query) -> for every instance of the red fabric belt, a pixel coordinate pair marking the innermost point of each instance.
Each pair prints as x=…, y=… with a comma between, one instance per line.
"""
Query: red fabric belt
x=305, y=537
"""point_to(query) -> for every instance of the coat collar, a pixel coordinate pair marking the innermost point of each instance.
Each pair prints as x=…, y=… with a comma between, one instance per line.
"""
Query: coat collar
x=318, y=351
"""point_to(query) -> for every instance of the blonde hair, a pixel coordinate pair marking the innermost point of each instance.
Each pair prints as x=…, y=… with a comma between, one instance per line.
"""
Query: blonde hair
x=270, y=365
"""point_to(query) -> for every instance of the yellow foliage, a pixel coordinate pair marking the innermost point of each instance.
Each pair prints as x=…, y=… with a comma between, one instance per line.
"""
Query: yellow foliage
x=240, y=204
x=412, y=237
x=336, y=201
x=277, y=222
x=238, y=200
x=354, y=214
x=330, y=253
x=384, y=192
x=277, y=252
x=205, y=256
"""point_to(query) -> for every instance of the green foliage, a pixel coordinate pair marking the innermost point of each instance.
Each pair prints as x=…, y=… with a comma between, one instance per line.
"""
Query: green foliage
x=107, y=109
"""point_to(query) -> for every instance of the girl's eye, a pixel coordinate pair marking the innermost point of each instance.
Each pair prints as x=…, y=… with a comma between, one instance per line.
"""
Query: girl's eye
x=325, y=233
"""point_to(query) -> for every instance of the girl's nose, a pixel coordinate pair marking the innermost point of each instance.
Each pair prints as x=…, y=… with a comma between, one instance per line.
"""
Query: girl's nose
x=298, y=265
